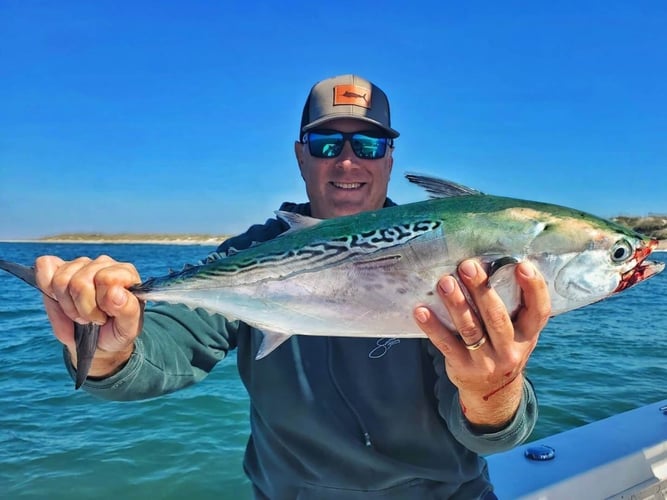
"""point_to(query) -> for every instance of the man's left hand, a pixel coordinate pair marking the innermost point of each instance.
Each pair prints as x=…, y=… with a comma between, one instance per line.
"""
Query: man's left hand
x=486, y=356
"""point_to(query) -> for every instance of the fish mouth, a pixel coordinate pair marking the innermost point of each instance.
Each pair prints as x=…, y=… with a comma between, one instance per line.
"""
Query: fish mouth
x=644, y=269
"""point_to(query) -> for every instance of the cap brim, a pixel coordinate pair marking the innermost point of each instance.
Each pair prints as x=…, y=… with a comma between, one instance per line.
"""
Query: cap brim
x=391, y=133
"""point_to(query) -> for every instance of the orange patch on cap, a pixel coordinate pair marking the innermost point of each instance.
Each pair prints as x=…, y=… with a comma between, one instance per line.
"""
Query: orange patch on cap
x=352, y=94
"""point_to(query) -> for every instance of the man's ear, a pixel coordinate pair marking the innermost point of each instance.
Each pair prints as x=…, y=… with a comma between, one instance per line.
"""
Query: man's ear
x=298, y=152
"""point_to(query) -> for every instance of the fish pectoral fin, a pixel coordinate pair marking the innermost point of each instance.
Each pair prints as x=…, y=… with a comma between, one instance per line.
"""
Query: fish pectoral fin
x=271, y=342
x=500, y=268
x=502, y=279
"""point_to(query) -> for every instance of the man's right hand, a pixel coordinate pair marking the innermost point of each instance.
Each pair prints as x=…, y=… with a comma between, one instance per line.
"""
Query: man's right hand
x=92, y=291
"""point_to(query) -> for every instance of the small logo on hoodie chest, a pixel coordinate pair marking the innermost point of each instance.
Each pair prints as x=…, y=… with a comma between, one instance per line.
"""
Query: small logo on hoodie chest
x=382, y=347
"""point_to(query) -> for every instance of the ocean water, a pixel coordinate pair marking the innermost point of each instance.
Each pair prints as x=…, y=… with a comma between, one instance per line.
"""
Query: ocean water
x=57, y=443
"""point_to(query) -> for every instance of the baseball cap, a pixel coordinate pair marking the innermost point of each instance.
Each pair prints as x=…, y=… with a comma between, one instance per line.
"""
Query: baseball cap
x=346, y=96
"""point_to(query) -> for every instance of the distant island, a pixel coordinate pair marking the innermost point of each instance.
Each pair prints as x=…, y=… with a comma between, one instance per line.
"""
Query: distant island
x=653, y=225
x=148, y=238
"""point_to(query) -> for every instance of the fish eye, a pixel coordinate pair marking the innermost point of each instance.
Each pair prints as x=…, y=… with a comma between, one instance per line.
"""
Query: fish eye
x=622, y=251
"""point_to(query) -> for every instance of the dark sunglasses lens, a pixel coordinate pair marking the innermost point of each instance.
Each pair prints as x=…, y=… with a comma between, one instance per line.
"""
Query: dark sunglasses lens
x=330, y=145
x=367, y=147
x=325, y=145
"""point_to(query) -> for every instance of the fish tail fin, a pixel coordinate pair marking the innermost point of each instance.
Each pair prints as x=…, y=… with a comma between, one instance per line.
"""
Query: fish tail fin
x=85, y=337
x=25, y=273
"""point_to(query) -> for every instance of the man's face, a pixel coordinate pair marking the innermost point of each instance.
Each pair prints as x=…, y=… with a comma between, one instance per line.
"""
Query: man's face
x=346, y=184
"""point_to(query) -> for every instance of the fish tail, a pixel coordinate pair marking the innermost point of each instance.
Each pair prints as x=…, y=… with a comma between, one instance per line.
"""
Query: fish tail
x=25, y=273
x=85, y=337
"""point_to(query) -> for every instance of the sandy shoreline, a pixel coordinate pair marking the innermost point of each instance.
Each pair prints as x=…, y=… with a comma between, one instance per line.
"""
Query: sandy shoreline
x=662, y=246
x=180, y=241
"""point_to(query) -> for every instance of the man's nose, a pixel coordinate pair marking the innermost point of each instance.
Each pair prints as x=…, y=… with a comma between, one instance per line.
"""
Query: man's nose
x=347, y=156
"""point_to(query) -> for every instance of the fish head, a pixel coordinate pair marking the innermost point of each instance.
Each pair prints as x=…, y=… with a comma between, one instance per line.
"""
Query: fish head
x=611, y=260
x=643, y=268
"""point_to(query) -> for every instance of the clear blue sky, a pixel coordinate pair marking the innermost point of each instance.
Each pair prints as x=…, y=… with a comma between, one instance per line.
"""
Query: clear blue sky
x=167, y=116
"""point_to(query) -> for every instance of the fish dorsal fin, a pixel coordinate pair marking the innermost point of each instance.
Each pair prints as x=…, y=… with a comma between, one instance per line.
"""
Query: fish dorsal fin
x=296, y=221
x=441, y=188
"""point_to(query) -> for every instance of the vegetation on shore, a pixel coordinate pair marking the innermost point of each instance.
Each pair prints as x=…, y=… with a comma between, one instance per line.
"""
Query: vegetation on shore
x=653, y=225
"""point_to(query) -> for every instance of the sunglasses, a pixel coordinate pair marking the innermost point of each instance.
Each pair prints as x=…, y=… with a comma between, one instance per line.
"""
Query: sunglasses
x=329, y=144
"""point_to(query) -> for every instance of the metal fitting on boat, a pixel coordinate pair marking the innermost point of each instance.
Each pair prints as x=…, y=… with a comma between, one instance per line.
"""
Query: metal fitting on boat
x=540, y=453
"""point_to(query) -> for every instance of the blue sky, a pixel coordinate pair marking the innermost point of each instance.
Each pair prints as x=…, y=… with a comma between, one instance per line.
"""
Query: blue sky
x=181, y=116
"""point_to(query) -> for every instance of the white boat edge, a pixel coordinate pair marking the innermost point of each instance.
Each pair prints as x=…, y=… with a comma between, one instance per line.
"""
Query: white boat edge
x=620, y=457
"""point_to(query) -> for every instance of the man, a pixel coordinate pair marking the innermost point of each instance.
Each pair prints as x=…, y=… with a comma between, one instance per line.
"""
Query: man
x=330, y=417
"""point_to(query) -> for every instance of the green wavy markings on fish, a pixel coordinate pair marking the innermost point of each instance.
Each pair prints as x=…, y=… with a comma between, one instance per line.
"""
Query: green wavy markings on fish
x=362, y=275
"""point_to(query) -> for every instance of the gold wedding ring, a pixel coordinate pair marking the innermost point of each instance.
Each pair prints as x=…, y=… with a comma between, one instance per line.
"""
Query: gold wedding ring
x=476, y=345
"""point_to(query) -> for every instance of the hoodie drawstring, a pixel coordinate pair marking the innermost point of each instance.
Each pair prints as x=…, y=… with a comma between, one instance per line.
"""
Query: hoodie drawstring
x=357, y=416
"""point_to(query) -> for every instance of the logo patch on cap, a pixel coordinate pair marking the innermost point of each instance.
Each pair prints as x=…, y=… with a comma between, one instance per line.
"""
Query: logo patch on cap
x=352, y=94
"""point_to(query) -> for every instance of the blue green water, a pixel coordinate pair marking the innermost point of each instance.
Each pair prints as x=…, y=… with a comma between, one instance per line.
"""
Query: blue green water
x=58, y=443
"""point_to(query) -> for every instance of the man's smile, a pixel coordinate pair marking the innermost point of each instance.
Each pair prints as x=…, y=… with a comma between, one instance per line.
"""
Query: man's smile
x=347, y=185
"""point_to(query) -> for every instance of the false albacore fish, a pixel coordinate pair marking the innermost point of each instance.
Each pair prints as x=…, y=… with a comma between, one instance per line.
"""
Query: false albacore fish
x=362, y=275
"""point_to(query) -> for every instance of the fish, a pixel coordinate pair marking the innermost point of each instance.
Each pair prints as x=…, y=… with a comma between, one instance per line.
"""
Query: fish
x=362, y=275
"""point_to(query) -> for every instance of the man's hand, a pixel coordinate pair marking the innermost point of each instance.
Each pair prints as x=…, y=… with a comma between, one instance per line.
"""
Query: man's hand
x=486, y=356
x=92, y=291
